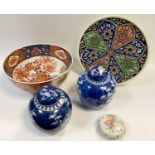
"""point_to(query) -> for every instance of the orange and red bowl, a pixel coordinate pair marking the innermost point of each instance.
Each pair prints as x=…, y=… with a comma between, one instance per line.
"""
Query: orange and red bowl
x=34, y=66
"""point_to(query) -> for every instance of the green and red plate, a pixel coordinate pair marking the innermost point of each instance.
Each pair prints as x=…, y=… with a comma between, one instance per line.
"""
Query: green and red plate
x=117, y=44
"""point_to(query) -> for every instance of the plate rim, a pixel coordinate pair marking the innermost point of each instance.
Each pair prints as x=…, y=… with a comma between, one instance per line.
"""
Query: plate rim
x=134, y=23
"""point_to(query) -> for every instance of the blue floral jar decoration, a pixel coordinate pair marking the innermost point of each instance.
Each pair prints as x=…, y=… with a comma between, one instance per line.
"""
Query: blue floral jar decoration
x=50, y=107
x=96, y=86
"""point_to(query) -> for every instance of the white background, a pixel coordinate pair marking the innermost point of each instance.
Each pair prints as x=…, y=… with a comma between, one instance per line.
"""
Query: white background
x=133, y=102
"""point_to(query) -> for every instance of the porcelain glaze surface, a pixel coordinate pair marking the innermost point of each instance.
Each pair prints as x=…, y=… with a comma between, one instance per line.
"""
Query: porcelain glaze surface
x=34, y=66
x=96, y=87
x=50, y=107
x=115, y=43
x=38, y=69
x=112, y=126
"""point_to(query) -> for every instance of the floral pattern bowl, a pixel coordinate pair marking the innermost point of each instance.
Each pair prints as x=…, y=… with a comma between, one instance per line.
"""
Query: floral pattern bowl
x=35, y=66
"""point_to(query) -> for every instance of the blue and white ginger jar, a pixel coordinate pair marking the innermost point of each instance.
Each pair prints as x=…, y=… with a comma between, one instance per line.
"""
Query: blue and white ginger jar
x=96, y=86
x=50, y=107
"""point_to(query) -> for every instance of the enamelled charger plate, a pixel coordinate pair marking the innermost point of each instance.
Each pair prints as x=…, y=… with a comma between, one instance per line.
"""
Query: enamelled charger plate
x=117, y=44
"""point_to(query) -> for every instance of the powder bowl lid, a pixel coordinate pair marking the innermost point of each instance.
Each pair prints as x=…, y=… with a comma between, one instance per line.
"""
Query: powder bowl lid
x=112, y=126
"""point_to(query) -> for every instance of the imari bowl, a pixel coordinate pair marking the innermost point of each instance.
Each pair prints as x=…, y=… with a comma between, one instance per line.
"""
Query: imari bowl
x=115, y=43
x=35, y=66
x=50, y=108
x=96, y=87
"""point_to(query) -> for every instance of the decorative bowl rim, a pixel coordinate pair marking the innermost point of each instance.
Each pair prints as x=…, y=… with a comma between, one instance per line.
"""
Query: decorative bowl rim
x=40, y=82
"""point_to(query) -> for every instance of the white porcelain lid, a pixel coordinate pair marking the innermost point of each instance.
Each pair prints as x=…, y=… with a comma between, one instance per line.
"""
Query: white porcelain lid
x=112, y=126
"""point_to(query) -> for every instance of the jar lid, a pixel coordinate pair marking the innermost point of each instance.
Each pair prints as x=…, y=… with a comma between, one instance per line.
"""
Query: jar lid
x=97, y=73
x=112, y=126
x=48, y=95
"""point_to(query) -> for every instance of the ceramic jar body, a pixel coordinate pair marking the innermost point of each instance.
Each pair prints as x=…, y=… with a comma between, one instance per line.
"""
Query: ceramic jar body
x=96, y=87
x=50, y=107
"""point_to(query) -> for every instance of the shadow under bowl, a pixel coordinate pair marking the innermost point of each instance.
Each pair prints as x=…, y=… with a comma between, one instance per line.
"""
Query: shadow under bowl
x=34, y=66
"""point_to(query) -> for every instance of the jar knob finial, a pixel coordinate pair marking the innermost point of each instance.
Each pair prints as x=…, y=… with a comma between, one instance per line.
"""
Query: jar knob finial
x=97, y=73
